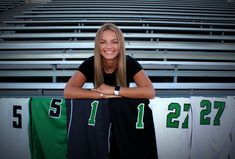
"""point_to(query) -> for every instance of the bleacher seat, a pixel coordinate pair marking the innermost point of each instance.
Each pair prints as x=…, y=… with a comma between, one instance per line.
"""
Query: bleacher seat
x=186, y=47
x=6, y=5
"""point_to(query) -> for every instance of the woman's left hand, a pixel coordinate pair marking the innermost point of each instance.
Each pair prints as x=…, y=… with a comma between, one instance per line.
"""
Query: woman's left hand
x=105, y=89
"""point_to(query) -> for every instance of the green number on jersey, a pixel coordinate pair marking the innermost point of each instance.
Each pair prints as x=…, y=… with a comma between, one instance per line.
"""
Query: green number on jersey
x=55, y=108
x=185, y=123
x=140, y=117
x=94, y=106
x=207, y=105
x=220, y=106
x=173, y=115
x=171, y=121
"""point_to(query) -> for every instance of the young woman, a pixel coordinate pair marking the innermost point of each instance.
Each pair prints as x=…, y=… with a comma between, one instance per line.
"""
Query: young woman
x=110, y=70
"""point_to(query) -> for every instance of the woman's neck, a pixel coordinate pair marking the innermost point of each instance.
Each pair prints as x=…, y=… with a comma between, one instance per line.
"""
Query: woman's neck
x=110, y=65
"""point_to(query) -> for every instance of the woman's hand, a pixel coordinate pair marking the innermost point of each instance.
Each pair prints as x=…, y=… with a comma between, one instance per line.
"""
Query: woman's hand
x=105, y=89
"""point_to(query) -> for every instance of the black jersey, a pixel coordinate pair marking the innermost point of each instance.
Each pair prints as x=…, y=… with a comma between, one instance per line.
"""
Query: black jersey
x=133, y=134
x=132, y=67
x=88, y=124
x=119, y=128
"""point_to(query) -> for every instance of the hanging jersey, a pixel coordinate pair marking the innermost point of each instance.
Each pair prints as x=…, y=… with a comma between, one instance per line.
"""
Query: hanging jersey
x=133, y=133
x=172, y=122
x=88, y=128
x=211, y=127
x=14, y=118
x=48, y=131
x=232, y=135
x=232, y=151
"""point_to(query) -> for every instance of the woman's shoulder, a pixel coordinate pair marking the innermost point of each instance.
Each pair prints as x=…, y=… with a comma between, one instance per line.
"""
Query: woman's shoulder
x=89, y=60
x=130, y=59
x=132, y=64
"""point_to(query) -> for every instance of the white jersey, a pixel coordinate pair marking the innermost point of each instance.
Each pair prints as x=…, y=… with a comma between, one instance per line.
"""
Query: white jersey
x=212, y=121
x=171, y=122
x=232, y=151
x=14, y=117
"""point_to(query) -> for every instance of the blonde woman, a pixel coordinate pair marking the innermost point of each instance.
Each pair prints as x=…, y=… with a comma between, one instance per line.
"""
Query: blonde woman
x=110, y=70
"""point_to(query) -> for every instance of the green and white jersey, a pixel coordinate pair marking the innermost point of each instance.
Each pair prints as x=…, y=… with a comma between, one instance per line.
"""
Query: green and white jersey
x=48, y=131
x=211, y=127
x=14, y=118
x=171, y=122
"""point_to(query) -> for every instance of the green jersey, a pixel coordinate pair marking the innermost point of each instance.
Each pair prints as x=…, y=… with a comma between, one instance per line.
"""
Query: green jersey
x=48, y=132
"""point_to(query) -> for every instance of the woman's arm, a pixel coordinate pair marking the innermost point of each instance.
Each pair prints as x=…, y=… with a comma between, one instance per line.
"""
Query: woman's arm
x=144, y=87
x=74, y=90
x=143, y=90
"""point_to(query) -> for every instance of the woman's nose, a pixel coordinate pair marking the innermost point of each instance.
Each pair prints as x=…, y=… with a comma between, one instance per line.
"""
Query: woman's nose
x=109, y=45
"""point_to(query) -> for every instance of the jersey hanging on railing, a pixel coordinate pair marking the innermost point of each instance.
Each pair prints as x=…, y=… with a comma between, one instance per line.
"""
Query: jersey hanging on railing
x=114, y=128
x=172, y=122
x=48, y=133
x=88, y=128
x=14, y=138
x=212, y=125
x=133, y=134
x=195, y=127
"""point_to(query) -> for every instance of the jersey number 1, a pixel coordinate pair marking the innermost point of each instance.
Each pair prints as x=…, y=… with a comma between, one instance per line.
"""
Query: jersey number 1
x=140, y=116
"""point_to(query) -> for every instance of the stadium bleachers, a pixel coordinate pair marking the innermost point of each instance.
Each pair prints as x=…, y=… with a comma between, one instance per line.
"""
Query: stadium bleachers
x=6, y=5
x=186, y=47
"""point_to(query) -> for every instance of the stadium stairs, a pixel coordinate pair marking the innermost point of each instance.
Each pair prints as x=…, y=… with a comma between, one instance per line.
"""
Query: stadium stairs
x=186, y=47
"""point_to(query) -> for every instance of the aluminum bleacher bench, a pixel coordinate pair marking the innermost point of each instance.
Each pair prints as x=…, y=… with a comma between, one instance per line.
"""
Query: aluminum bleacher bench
x=174, y=69
x=125, y=16
x=162, y=89
x=188, y=46
x=55, y=69
x=120, y=13
x=132, y=23
x=128, y=36
x=164, y=55
x=123, y=28
x=165, y=9
x=204, y=6
x=151, y=73
x=129, y=45
x=169, y=86
x=146, y=64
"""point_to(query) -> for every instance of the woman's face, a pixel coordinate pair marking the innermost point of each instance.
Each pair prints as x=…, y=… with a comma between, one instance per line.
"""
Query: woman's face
x=109, y=45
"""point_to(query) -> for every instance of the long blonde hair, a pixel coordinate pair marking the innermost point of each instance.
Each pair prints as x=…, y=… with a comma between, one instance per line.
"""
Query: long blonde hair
x=98, y=65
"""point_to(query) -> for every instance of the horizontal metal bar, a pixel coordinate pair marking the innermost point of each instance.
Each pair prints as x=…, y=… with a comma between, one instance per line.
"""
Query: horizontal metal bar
x=152, y=73
x=120, y=22
x=124, y=28
x=178, y=6
x=146, y=64
x=113, y=12
x=129, y=45
x=126, y=35
x=103, y=16
x=141, y=54
x=170, y=86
